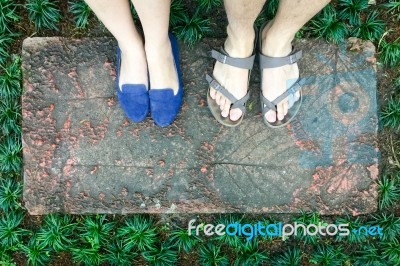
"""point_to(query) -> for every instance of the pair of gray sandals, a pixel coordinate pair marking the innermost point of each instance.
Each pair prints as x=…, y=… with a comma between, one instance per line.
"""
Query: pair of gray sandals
x=266, y=105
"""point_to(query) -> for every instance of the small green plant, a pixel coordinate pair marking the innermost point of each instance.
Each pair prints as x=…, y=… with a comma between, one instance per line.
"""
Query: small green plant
x=389, y=190
x=372, y=29
x=5, y=258
x=208, y=5
x=291, y=257
x=118, y=254
x=390, y=114
x=177, y=12
x=305, y=219
x=138, y=232
x=10, y=114
x=96, y=230
x=163, y=256
x=351, y=10
x=8, y=14
x=87, y=255
x=35, y=252
x=10, y=194
x=390, y=225
x=271, y=8
x=192, y=29
x=368, y=256
x=10, y=80
x=10, y=154
x=44, y=13
x=390, y=52
x=57, y=232
x=10, y=232
x=328, y=255
x=211, y=254
x=352, y=224
x=391, y=252
x=393, y=8
x=327, y=25
x=6, y=39
x=181, y=238
x=251, y=255
x=81, y=13
x=233, y=241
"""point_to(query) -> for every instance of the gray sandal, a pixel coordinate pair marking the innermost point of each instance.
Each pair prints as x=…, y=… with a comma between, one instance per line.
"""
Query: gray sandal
x=266, y=105
x=245, y=63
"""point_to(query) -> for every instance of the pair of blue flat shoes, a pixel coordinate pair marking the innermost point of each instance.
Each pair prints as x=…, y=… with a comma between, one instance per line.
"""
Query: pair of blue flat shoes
x=137, y=101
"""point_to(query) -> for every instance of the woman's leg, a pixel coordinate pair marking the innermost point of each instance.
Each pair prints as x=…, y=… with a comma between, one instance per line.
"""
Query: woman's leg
x=277, y=42
x=240, y=43
x=154, y=16
x=117, y=18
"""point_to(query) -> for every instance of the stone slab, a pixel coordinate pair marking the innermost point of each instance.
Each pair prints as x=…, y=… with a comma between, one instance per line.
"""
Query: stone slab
x=81, y=154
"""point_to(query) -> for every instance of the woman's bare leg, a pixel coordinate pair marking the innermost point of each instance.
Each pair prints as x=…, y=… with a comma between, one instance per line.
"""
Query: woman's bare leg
x=117, y=18
x=154, y=16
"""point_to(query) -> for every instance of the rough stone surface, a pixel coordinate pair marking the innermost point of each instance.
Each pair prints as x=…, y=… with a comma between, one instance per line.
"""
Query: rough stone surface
x=82, y=155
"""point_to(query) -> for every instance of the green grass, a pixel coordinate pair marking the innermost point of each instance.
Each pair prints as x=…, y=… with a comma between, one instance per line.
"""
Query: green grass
x=138, y=232
x=81, y=13
x=119, y=254
x=390, y=53
x=389, y=190
x=351, y=10
x=100, y=239
x=10, y=232
x=36, y=253
x=251, y=255
x=208, y=5
x=327, y=25
x=8, y=15
x=291, y=257
x=10, y=194
x=372, y=28
x=163, y=256
x=10, y=154
x=57, y=232
x=10, y=117
x=192, y=28
x=211, y=254
x=390, y=114
x=44, y=13
x=393, y=7
x=327, y=255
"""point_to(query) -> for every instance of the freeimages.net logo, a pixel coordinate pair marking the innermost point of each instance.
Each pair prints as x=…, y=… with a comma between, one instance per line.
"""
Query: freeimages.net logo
x=280, y=229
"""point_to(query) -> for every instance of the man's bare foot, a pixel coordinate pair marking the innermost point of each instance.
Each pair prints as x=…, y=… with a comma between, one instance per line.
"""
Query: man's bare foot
x=133, y=64
x=277, y=80
x=233, y=79
x=162, y=70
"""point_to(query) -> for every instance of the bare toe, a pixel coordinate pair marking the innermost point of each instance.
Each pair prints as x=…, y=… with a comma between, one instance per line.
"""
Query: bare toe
x=270, y=116
x=213, y=93
x=235, y=114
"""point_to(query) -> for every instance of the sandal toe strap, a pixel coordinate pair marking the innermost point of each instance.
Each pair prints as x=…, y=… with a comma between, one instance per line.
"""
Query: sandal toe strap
x=271, y=62
x=235, y=102
x=224, y=58
x=270, y=105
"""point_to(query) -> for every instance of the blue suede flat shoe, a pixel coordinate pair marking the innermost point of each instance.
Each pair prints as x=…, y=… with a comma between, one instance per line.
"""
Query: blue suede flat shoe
x=164, y=105
x=133, y=98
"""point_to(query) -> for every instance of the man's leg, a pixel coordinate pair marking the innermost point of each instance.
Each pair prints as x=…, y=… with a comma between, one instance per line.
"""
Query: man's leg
x=240, y=43
x=277, y=42
x=154, y=16
x=116, y=16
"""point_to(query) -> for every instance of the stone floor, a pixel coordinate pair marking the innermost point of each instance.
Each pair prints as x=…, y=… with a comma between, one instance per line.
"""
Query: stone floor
x=82, y=155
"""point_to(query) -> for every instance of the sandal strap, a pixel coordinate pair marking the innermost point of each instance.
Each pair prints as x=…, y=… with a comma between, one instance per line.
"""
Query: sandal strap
x=235, y=102
x=223, y=57
x=271, y=62
x=270, y=105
